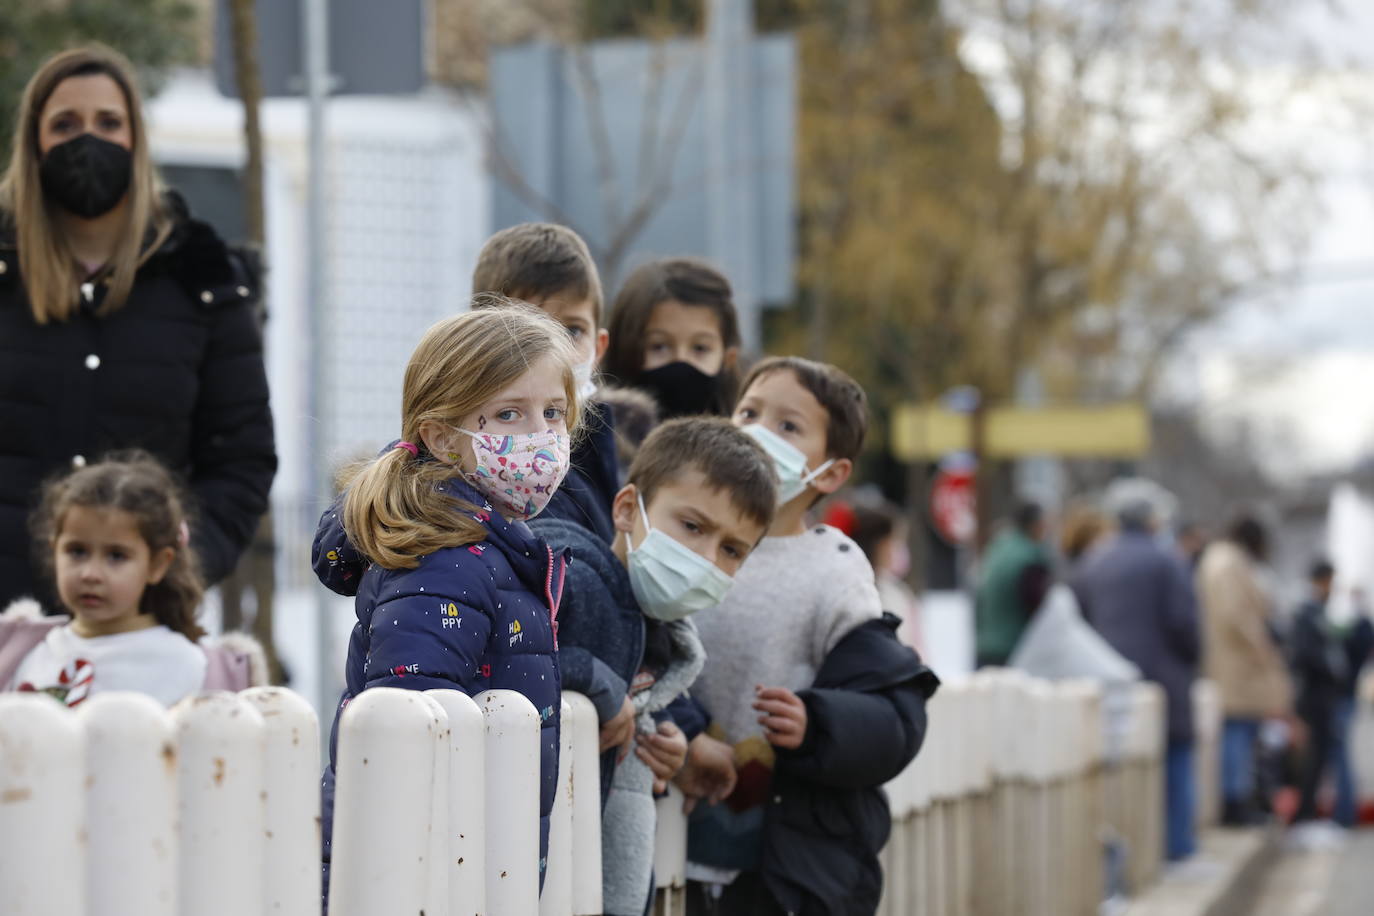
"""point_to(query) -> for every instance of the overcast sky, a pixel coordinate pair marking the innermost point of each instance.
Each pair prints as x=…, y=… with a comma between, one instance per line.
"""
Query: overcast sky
x=1301, y=371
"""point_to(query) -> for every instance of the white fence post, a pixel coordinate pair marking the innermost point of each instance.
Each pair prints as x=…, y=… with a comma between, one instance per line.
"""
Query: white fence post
x=556, y=897
x=42, y=808
x=131, y=805
x=585, y=796
x=440, y=792
x=220, y=782
x=670, y=852
x=467, y=803
x=512, y=752
x=385, y=777
x=291, y=872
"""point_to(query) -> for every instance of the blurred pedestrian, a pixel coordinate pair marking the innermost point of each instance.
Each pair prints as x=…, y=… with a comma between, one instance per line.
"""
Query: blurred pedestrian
x=881, y=533
x=1058, y=643
x=1084, y=529
x=124, y=323
x=1012, y=584
x=1138, y=595
x=1191, y=540
x=1327, y=659
x=1359, y=647
x=1242, y=658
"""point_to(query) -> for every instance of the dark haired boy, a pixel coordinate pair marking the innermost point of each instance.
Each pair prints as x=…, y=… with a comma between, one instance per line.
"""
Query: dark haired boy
x=550, y=267
x=699, y=496
x=810, y=693
x=1327, y=658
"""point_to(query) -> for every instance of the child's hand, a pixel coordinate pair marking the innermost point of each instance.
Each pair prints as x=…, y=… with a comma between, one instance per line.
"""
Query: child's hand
x=619, y=731
x=709, y=772
x=784, y=716
x=664, y=752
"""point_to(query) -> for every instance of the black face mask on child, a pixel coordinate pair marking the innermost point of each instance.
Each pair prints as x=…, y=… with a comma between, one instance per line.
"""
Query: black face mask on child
x=86, y=175
x=683, y=390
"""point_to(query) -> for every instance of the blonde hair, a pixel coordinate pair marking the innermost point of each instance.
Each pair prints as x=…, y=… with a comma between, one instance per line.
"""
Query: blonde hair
x=397, y=509
x=46, y=262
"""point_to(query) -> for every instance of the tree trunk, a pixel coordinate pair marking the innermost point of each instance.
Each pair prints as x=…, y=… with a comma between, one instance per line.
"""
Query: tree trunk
x=248, y=77
x=256, y=572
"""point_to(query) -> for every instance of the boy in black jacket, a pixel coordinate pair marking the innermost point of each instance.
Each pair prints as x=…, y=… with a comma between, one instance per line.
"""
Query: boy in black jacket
x=814, y=704
x=1326, y=660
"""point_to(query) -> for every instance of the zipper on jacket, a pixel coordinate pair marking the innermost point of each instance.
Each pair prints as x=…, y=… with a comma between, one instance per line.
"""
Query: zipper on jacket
x=548, y=594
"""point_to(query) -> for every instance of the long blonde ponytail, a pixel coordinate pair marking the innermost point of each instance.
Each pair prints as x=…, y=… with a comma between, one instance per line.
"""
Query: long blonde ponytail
x=397, y=509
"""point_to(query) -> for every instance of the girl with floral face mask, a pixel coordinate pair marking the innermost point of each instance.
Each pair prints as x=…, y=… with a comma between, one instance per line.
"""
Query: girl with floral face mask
x=459, y=593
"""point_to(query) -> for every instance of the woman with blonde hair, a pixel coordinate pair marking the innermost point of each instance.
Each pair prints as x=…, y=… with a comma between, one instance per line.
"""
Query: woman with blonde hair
x=124, y=323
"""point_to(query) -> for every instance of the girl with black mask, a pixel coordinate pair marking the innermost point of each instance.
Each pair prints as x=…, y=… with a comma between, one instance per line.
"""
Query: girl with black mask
x=675, y=336
x=124, y=323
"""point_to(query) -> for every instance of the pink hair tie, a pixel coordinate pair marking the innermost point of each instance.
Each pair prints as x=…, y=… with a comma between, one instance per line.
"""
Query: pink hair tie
x=183, y=535
x=410, y=447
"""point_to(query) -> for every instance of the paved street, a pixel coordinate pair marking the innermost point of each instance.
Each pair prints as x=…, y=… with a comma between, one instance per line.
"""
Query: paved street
x=1321, y=882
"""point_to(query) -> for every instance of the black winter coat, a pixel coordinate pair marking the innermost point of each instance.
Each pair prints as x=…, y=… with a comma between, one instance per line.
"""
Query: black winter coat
x=177, y=371
x=1326, y=664
x=829, y=817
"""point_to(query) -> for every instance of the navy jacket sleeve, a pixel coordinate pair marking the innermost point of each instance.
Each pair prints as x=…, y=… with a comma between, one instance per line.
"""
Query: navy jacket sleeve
x=424, y=640
x=584, y=673
x=687, y=714
x=234, y=456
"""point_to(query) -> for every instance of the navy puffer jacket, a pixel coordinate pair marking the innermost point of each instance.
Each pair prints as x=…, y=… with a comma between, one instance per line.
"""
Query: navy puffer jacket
x=176, y=371
x=471, y=618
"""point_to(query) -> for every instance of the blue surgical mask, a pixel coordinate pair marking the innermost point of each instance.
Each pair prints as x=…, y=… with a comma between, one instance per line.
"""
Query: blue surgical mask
x=788, y=460
x=670, y=580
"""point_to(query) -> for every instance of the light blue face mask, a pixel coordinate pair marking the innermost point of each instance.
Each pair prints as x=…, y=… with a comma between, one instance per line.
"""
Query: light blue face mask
x=788, y=460
x=670, y=580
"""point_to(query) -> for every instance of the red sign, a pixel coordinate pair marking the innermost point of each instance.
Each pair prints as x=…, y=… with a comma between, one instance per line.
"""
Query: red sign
x=953, y=505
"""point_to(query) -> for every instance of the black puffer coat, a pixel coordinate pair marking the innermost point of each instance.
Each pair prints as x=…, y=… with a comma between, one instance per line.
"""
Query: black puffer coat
x=866, y=720
x=177, y=370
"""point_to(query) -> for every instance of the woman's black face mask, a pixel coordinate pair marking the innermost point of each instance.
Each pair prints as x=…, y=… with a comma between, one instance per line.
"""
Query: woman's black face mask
x=86, y=176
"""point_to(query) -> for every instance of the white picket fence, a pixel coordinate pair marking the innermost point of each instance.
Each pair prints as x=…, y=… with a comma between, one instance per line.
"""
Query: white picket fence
x=121, y=808
x=1006, y=808
x=124, y=809
x=211, y=809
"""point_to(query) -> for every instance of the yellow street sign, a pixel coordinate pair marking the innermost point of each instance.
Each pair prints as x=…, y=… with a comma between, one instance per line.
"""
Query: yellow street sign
x=921, y=432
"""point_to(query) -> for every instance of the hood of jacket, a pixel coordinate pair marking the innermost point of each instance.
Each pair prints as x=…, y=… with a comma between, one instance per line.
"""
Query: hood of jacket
x=339, y=565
